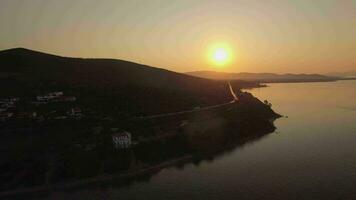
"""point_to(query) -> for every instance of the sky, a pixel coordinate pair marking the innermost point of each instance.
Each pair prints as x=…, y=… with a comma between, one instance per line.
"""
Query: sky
x=280, y=36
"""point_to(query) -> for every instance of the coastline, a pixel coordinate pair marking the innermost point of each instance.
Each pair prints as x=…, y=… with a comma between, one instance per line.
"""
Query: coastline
x=130, y=174
x=265, y=83
x=262, y=129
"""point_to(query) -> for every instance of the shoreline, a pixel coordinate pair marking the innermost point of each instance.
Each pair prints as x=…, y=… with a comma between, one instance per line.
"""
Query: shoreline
x=127, y=174
x=130, y=174
x=265, y=83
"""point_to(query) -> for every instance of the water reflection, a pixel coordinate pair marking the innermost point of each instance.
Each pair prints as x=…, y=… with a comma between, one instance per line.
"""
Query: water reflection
x=196, y=142
x=312, y=158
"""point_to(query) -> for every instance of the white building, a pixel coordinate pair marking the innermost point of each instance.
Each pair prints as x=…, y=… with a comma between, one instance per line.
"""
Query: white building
x=55, y=94
x=75, y=112
x=43, y=97
x=49, y=96
x=121, y=140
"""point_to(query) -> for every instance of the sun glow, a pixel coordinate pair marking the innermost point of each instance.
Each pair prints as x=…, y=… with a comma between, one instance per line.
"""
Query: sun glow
x=220, y=55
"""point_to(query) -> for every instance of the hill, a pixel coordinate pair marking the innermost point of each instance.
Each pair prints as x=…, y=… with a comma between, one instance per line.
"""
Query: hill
x=263, y=77
x=109, y=85
x=52, y=142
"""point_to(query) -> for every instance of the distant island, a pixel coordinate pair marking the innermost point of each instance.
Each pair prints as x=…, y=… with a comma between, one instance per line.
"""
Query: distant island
x=344, y=74
x=266, y=77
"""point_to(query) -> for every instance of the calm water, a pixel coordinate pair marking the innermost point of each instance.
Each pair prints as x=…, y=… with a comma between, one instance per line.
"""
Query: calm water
x=311, y=155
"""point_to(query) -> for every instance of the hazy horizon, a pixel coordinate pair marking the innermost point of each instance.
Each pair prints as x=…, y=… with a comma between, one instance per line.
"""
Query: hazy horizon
x=276, y=37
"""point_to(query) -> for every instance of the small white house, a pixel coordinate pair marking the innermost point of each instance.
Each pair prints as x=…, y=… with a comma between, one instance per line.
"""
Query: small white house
x=121, y=140
x=49, y=96
x=53, y=95
x=75, y=112
x=43, y=97
x=197, y=108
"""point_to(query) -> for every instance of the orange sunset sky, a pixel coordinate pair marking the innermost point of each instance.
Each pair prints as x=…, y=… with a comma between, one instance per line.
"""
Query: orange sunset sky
x=280, y=36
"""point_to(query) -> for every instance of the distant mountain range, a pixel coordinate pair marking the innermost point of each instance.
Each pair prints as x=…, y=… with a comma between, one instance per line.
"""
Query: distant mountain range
x=351, y=73
x=263, y=77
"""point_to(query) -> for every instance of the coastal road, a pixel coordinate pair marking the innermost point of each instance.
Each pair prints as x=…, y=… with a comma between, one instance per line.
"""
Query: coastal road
x=197, y=109
x=233, y=93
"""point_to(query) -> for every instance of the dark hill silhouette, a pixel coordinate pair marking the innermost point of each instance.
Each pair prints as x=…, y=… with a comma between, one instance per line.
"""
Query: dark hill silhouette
x=55, y=151
x=105, y=72
x=137, y=87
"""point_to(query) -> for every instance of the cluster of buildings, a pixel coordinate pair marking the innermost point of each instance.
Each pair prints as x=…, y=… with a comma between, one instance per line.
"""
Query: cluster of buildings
x=53, y=97
x=9, y=108
x=121, y=139
x=73, y=113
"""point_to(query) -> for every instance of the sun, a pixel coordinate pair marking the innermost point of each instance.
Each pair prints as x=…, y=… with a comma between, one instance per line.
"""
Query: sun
x=219, y=55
